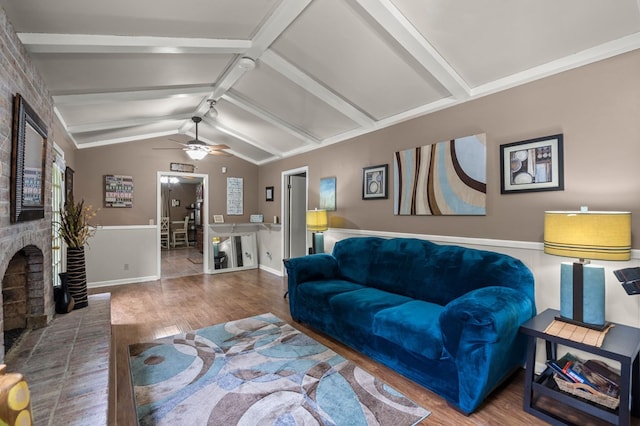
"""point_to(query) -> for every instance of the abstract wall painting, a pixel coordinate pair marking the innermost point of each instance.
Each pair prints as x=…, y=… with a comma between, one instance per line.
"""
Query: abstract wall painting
x=446, y=178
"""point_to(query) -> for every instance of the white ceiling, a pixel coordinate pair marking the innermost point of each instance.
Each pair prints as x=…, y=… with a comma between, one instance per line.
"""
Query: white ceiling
x=325, y=70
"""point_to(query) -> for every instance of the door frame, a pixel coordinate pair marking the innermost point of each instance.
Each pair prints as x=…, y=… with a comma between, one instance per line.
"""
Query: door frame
x=284, y=214
x=204, y=218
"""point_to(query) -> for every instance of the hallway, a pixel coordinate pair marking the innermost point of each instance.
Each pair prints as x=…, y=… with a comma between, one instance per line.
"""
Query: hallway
x=180, y=262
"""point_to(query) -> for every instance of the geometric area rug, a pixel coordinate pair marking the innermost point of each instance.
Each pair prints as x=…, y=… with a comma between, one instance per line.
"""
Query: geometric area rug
x=258, y=371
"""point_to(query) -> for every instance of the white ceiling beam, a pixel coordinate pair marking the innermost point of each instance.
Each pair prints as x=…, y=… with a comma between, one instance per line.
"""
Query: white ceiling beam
x=303, y=80
x=224, y=129
x=244, y=104
x=89, y=43
x=286, y=12
x=110, y=125
x=133, y=95
x=394, y=22
x=124, y=139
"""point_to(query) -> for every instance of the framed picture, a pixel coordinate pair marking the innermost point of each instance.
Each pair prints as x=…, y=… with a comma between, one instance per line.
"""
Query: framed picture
x=532, y=165
x=68, y=183
x=269, y=193
x=118, y=191
x=374, y=182
x=28, y=159
x=181, y=167
x=218, y=218
x=327, y=193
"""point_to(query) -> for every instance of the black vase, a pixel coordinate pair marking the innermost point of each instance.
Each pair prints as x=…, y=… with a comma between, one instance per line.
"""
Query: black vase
x=77, y=276
x=64, y=301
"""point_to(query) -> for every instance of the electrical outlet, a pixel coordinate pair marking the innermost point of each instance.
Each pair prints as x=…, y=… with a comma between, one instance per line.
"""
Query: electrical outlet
x=126, y=266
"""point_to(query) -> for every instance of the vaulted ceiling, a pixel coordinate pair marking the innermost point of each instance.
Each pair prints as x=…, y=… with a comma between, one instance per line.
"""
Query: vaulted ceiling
x=288, y=76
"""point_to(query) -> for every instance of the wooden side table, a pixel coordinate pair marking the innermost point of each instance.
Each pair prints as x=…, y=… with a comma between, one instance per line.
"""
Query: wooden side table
x=622, y=344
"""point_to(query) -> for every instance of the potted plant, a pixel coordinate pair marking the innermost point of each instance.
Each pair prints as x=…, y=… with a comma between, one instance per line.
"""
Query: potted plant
x=75, y=230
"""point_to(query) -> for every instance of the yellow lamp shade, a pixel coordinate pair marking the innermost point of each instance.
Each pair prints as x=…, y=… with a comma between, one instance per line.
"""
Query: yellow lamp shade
x=317, y=220
x=588, y=235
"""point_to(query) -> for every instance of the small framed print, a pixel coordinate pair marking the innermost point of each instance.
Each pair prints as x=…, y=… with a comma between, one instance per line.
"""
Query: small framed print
x=181, y=167
x=328, y=193
x=269, y=193
x=532, y=165
x=374, y=182
x=218, y=218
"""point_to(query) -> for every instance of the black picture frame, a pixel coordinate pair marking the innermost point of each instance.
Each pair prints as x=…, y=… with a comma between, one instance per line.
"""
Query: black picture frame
x=269, y=193
x=68, y=183
x=374, y=182
x=28, y=163
x=532, y=165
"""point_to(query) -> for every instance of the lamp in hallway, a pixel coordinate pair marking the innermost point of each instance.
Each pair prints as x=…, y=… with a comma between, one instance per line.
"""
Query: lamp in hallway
x=317, y=223
x=586, y=235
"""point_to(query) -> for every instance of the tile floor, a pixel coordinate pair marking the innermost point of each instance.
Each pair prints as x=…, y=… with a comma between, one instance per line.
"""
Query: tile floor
x=66, y=365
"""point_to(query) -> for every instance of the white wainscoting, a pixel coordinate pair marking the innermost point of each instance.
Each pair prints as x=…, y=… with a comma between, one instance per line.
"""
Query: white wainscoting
x=620, y=307
x=122, y=255
x=126, y=254
x=270, y=248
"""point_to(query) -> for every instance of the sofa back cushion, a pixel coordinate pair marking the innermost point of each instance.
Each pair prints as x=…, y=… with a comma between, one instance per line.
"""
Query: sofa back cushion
x=427, y=271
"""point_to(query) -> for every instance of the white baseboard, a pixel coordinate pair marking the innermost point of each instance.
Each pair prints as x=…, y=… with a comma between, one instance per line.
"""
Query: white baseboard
x=134, y=280
x=271, y=270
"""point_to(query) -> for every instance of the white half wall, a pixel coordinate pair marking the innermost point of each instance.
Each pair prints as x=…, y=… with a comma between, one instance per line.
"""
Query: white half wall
x=122, y=255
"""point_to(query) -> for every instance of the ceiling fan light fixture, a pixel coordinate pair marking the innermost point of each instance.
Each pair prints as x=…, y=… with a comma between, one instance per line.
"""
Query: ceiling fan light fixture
x=196, y=154
x=246, y=63
x=213, y=112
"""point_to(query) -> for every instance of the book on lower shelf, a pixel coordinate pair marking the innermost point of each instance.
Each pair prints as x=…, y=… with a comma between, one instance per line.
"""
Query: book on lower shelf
x=594, y=374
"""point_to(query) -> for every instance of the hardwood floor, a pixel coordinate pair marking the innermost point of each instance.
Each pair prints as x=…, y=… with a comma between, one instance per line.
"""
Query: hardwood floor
x=180, y=262
x=147, y=311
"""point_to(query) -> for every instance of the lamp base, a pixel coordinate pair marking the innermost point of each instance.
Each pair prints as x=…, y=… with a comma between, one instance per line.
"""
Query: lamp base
x=597, y=327
x=582, y=293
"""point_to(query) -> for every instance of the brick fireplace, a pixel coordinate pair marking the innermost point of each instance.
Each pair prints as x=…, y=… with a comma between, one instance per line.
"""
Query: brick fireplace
x=25, y=248
x=27, y=291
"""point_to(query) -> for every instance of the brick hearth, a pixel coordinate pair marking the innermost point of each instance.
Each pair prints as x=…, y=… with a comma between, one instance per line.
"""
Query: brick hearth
x=66, y=365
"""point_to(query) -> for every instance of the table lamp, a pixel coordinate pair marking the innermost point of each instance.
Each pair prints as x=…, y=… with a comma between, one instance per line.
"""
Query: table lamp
x=584, y=235
x=317, y=223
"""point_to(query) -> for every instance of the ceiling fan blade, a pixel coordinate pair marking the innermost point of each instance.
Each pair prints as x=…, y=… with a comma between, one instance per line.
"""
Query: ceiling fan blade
x=220, y=153
x=219, y=146
x=166, y=148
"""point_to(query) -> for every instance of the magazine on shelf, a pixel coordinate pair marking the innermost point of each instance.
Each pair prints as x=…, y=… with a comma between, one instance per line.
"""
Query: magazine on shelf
x=593, y=373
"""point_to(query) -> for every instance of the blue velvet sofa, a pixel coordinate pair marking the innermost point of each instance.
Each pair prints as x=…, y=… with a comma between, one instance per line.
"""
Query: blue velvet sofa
x=447, y=317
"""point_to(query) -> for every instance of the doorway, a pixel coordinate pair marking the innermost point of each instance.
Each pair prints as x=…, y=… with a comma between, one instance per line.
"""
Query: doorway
x=294, y=212
x=182, y=206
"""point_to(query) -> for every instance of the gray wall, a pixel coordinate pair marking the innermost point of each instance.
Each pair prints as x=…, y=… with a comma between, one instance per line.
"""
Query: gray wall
x=596, y=107
x=142, y=162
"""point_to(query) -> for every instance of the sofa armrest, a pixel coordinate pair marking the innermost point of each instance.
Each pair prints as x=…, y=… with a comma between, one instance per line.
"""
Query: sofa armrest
x=484, y=315
x=481, y=333
x=314, y=267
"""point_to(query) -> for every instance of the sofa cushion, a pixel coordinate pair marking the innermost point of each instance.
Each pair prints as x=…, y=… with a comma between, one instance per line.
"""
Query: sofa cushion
x=358, y=308
x=413, y=326
x=320, y=292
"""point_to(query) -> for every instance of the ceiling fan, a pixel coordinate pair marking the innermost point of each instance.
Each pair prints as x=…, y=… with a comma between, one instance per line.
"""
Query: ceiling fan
x=197, y=149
